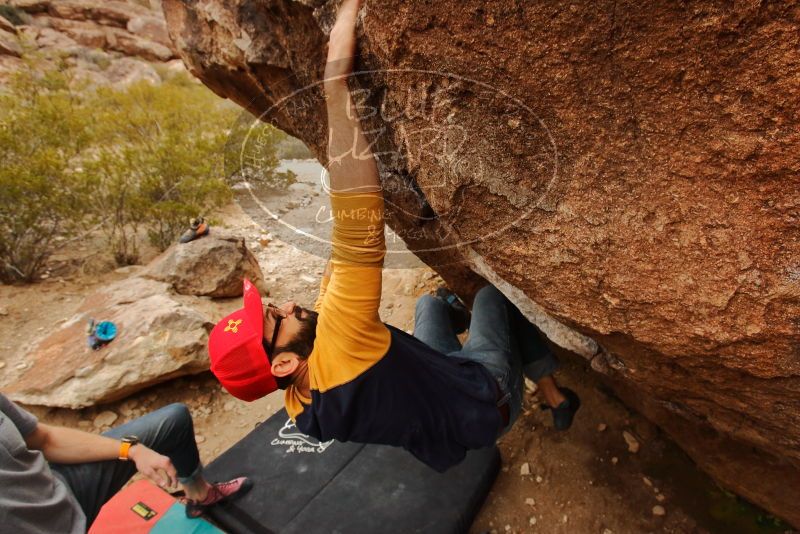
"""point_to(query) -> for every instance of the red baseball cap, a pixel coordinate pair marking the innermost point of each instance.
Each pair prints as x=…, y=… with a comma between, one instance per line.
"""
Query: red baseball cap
x=236, y=350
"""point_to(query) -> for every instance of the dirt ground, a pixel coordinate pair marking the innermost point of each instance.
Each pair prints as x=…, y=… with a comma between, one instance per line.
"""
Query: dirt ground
x=585, y=480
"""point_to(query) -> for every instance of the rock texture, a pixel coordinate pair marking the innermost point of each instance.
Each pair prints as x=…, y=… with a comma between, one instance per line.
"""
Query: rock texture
x=127, y=70
x=211, y=266
x=90, y=35
x=9, y=45
x=150, y=26
x=158, y=339
x=633, y=173
x=6, y=25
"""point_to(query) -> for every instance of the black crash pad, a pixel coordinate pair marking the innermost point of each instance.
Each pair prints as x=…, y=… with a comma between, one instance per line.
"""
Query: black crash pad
x=303, y=486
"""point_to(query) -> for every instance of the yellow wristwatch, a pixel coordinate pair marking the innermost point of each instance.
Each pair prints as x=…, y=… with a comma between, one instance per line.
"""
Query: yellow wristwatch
x=125, y=446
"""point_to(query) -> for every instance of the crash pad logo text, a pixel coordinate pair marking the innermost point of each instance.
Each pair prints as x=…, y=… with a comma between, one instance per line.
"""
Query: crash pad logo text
x=297, y=442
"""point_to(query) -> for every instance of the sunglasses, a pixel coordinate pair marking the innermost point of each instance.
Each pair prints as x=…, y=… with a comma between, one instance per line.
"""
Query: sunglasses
x=278, y=319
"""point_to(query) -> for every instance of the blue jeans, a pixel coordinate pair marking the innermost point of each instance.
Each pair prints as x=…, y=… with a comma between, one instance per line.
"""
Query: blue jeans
x=500, y=338
x=168, y=431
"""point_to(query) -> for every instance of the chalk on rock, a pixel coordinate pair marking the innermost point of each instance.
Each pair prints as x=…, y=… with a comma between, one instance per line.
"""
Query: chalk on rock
x=633, y=443
x=525, y=469
x=659, y=510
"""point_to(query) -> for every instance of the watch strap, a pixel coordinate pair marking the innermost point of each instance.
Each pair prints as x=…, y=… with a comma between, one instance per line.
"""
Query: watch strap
x=124, y=449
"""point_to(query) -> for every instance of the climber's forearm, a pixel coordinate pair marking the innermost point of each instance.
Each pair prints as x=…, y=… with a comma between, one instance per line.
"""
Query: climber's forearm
x=351, y=164
x=342, y=44
x=68, y=446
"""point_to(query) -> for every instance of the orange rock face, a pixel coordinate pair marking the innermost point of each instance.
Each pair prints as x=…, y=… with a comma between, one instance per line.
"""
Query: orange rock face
x=633, y=172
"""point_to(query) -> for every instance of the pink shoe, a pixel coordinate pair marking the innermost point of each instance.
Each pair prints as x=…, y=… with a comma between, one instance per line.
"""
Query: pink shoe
x=217, y=493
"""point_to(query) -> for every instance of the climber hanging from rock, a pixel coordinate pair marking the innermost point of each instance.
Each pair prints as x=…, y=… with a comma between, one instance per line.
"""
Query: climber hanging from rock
x=350, y=377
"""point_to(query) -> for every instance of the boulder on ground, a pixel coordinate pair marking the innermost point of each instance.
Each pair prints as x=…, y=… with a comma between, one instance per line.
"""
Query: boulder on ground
x=158, y=339
x=211, y=266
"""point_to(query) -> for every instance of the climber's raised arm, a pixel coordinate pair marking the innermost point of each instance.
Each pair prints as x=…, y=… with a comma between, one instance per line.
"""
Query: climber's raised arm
x=349, y=324
x=342, y=43
x=351, y=165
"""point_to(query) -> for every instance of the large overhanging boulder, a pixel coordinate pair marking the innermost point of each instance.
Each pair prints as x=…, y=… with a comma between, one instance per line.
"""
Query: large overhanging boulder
x=631, y=173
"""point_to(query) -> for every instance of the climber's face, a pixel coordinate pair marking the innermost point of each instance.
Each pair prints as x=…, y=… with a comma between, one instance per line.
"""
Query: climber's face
x=287, y=328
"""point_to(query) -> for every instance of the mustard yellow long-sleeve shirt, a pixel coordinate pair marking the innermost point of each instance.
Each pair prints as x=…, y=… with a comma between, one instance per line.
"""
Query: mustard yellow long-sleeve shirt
x=373, y=383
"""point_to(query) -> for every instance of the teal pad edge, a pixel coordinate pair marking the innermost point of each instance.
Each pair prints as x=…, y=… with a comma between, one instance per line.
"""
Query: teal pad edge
x=175, y=520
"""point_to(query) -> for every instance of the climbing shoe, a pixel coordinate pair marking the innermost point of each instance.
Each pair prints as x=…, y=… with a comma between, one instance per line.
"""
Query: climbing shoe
x=218, y=492
x=564, y=413
x=459, y=314
x=198, y=227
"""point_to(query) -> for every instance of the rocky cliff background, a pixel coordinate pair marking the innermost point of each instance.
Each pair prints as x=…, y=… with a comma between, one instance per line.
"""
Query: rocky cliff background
x=102, y=42
x=628, y=176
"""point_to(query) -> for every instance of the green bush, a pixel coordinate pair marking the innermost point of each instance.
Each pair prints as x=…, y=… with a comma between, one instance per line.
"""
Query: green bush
x=44, y=127
x=160, y=163
x=140, y=161
x=293, y=148
x=252, y=154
